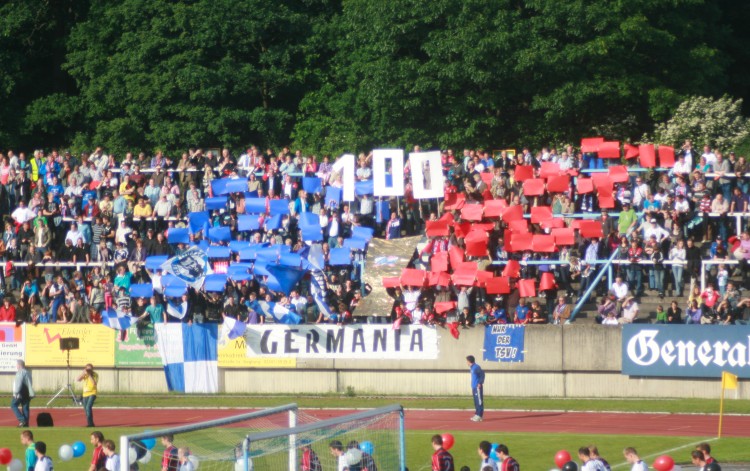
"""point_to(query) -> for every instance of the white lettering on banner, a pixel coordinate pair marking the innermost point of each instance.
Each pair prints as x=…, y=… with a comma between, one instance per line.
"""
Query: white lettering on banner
x=644, y=350
x=379, y=157
x=360, y=342
x=345, y=165
x=435, y=166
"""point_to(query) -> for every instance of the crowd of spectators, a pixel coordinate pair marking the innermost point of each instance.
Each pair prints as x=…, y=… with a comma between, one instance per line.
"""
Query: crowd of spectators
x=79, y=229
x=661, y=222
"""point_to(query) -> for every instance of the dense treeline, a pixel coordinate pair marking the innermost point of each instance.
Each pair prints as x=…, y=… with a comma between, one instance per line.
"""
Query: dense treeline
x=329, y=75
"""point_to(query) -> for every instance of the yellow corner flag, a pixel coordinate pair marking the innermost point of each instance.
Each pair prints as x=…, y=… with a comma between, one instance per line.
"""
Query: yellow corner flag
x=728, y=380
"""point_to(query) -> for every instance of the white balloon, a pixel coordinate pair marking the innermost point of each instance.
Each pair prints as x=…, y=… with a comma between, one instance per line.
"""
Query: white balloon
x=146, y=458
x=66, y=453
x=132, y=456
x=15, y=465
x=195, y=461
x=353, y=456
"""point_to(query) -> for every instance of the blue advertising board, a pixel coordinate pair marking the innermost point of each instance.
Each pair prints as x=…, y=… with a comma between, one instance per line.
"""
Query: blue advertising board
x=687, y=351
x=504, y=342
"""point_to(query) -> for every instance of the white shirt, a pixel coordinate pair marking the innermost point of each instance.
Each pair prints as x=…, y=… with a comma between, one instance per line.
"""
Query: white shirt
x=682, y=167
x=74, y=236
x=639, y=466
x=411, y=298
x=43, y=464
x=113, y=463
x=640, y=192
x=620, y=290
x=710, y=158
x=488, y=462
x=593, y=465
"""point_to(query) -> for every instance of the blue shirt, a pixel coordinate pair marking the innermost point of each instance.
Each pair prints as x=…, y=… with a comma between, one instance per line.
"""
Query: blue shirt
x=522, y=312
x=477, y=376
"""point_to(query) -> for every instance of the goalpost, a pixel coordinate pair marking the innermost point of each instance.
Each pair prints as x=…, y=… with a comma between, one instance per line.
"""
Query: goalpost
x=214, y=444
x=362, y=441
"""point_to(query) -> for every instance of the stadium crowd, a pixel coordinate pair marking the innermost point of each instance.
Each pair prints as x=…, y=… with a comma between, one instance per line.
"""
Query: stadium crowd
x=78, y=231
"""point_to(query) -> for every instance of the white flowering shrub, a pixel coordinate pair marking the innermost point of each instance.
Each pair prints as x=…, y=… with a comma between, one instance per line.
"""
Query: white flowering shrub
x=705, y=120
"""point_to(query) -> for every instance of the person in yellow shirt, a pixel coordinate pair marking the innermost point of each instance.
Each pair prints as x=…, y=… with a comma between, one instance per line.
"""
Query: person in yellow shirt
x=142, y=209
x=90, y=381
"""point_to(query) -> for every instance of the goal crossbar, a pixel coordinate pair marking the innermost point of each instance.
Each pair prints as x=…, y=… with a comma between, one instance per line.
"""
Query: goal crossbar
x=125, y=440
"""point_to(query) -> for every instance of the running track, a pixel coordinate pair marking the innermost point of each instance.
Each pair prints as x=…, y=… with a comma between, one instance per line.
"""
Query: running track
x=437, y=420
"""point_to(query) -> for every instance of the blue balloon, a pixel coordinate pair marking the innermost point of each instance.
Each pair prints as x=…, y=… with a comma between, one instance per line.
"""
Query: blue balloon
x=79, y=448
x=367, y=447
x=494, y=456
x=149, y=443
x=494, y=446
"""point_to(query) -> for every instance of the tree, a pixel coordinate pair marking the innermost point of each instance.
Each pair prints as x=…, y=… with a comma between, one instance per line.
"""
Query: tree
x=32, y=48
x=502, y=72
x=716, y=122
x=208, y=72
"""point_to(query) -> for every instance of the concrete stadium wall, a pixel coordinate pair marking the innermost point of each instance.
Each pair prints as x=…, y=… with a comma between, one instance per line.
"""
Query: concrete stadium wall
x=569, y=361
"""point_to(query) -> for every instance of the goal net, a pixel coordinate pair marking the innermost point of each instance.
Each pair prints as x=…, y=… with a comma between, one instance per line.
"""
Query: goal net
x=212, y=445
x=364, y=441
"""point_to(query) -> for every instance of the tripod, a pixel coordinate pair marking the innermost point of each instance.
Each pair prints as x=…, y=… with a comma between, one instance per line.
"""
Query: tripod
x=67, y=387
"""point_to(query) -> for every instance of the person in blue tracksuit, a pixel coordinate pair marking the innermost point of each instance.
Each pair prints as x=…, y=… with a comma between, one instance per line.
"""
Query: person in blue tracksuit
x=477, y=388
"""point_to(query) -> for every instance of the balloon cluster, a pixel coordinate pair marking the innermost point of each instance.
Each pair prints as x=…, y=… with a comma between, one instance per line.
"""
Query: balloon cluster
x=564, y=462
x=138, y=454
x=68, y=452
x=6, y=457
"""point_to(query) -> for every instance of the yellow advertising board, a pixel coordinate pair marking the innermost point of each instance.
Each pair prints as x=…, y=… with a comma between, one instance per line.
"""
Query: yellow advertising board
x=97, y=345
x=233, y=354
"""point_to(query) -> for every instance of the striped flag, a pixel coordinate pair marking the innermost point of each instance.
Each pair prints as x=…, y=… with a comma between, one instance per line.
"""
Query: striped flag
x=117, y=320
x=279, y=313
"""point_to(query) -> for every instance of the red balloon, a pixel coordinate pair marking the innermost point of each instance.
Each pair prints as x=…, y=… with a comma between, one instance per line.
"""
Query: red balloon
x=664, y=463
x=5, y=456
x=448, y=441
x=562, y=457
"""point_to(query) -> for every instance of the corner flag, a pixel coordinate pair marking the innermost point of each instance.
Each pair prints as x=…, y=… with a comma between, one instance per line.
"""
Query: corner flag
x=728, y=380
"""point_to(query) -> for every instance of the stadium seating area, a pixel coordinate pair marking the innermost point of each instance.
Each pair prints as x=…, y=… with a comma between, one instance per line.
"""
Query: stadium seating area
x=517, y=237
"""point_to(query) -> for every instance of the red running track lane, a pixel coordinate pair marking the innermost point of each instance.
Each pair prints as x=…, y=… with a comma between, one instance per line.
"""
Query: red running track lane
x=438, y=420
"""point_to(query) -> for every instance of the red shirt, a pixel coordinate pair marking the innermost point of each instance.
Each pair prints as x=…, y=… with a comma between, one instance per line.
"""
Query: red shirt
x=442, y=461
x=169, y=460
x=7, y=314
x=98, y=458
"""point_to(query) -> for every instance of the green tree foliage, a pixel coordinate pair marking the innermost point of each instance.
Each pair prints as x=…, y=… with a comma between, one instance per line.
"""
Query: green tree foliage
x=32, y=49
x=716, y=122
x=170, y=74
x=339, y=75
x=450, y=72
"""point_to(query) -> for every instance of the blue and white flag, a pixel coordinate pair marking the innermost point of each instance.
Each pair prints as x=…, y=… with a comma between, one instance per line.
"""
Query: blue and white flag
x=178, y=311
x=232, y=329
x=117, y=320
x=190, y=266
x=319, y=287
x=279, y=313
x=189, y=356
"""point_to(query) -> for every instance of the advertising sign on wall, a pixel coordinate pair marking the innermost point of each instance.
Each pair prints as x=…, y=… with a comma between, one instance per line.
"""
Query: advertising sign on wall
x=97, y=345
x=688, y=351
